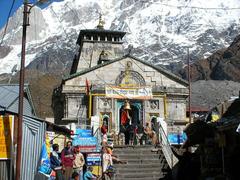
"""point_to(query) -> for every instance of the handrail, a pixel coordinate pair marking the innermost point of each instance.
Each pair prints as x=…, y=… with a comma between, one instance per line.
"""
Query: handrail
x=96, y=131
x=97, y=134
x=166, y=148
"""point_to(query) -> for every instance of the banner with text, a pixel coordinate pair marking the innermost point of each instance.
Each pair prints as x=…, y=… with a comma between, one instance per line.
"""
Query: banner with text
x=85, y=140
x=130, y=93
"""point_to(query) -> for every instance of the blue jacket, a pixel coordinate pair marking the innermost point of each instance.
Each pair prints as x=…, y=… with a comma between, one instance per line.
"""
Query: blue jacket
x=55, y=160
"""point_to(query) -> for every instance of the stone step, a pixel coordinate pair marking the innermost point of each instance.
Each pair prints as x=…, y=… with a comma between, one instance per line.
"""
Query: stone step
x=134, y=170
x=142, y=161
x=134, y=165
x=134, y=151
x=133, y=146
x=141, y=152
x=131, y=178
x=136, y=148
x=138, y=156
x=140, y=175
x=138, y=178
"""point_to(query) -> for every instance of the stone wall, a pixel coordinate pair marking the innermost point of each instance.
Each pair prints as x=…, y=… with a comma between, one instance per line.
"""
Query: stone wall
x=91, y=51
x=109, y=73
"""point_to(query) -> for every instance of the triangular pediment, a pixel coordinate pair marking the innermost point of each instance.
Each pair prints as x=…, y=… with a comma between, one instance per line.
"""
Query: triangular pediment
x=127, y=70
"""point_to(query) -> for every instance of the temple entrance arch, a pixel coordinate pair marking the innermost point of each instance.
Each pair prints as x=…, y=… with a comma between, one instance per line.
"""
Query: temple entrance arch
x=136, y=112
x=106, y=120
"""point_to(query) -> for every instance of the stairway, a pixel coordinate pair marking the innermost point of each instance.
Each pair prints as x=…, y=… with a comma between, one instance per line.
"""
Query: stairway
x=142, y=163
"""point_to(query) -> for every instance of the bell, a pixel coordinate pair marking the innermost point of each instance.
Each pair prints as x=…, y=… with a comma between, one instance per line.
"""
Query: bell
x=127, y=105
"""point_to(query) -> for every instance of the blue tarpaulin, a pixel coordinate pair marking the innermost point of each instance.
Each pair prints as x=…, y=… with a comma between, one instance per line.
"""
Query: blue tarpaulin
x=177, y=138
x=44, y=167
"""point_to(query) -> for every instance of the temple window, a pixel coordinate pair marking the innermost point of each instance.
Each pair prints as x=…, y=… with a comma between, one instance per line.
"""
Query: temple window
x=88, y=37
x=95, y=38
x=102, y=38
x=109, y=38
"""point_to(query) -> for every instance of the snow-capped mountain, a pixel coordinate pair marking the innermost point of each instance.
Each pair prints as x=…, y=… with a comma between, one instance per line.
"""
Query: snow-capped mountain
x=159, y=30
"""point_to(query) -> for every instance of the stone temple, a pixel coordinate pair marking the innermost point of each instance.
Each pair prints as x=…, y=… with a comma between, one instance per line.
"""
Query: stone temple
x=103, y=78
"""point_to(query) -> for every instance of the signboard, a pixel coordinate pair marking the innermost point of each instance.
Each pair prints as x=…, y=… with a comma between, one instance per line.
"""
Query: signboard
x=83, y=132
x=175, y=138
x=84, y=139
x=50, y=135
x=6, y=134
x=94, y=159
x=130, y=93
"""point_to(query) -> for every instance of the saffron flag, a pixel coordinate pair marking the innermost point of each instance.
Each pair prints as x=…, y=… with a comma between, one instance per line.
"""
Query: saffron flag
x=87, y=87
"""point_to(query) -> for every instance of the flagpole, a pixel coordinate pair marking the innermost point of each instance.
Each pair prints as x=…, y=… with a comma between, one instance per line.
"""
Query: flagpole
x=90, y=105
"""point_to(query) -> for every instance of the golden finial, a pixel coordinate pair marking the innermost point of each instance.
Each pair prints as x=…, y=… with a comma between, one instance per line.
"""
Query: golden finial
x=101, y=22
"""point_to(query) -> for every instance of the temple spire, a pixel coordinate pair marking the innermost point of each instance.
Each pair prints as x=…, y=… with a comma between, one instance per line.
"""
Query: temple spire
x=101, y=22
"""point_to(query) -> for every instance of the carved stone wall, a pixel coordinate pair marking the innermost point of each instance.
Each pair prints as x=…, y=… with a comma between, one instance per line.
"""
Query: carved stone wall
x=75, y=106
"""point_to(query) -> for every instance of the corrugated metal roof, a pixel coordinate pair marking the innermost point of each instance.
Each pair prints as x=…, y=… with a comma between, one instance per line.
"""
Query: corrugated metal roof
x=52, y=126
x=9, y=99
x=8, y=94
x=27, y=108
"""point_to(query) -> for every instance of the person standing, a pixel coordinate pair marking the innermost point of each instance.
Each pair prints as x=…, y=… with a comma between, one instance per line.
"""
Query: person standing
x=139, y=133
x=104, y=136
x=155, y=128
x=67, y=157
x=148, y=131
x=78, y=162
x=107, y=159
x=56, y=162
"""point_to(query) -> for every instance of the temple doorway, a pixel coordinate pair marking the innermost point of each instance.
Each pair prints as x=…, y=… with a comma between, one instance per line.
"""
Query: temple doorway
x=130, y=117
x=135, y=111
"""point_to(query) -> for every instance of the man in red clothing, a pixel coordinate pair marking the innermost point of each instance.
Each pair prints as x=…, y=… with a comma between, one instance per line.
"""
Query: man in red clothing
x=67, y=158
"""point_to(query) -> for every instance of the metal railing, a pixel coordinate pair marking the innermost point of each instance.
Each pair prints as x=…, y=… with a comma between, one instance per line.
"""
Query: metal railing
x=98, y=136
x=166, y=148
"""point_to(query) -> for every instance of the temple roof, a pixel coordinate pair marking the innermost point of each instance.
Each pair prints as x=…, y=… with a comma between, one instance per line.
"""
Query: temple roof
x=99, y=32
x=160, y=69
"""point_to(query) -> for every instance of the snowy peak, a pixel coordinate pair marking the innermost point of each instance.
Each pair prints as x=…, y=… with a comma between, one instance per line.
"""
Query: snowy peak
x=159, y=30
x=35, y=30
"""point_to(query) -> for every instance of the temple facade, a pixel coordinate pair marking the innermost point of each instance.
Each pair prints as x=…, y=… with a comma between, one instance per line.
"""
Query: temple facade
x=103, y=79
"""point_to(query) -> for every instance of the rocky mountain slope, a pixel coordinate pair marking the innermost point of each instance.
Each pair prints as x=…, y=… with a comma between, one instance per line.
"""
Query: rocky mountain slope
x=222, y=65
x=209, y=93
x=159, y=30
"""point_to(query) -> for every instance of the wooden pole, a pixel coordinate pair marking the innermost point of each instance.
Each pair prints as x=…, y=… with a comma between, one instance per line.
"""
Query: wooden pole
x=189, y=89
x=21, y=92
